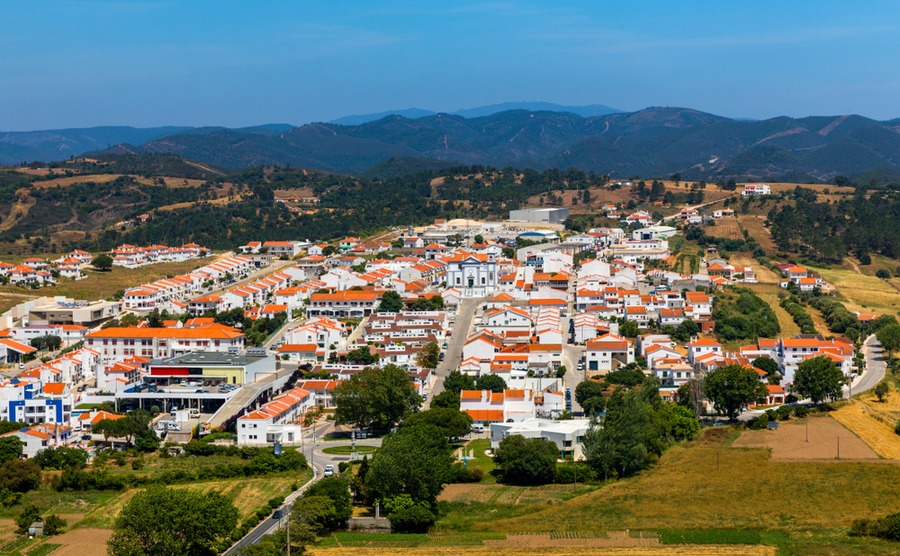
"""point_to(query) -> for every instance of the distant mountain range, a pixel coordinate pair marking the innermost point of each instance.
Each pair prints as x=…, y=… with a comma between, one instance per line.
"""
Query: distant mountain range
x=477, y=112
x=650, y=142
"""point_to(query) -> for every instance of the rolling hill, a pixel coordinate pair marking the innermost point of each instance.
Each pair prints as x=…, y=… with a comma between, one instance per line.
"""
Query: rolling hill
x=650, y=142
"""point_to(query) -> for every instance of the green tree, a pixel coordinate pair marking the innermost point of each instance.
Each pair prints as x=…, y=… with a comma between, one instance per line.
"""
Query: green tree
x=428, y=357
x=447, y=398
x=732, y=388
x=686, y=330
x=491, y=382
x=336, y=490
x=61, y=457
x=10, y=448
x=889, y=338
x=102, y=262
x=589, y=395
x=377, y=398
x=819, y=379
x=362, y=356
x=391, y=302
x=29, y=515
x=767, y=364
x=20, y=475
x=129, y=319
x=316, y=512
x=526, y=461
x=619, y=444
x=457, y=382
x=54, y=525
x=171, y=522
x=453, y=422
x=629, y=329
x=881, y=390
x=414, y=461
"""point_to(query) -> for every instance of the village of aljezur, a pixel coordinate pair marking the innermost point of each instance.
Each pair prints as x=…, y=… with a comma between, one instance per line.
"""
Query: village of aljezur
x=425, y=316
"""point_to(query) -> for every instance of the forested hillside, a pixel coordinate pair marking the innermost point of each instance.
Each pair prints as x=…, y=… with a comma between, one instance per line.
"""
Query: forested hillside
x=827, y=232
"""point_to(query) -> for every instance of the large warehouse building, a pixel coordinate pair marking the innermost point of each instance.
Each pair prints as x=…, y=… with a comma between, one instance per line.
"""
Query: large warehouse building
x=545, y=215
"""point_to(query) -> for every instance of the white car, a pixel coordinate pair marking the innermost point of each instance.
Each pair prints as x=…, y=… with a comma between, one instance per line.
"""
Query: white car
x=329, y=470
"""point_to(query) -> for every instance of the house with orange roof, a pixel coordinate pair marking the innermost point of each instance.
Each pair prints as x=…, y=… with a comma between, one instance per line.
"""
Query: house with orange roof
x=482, y=346
x=300, y=353
x=505, y=318
x=345, y=303
x=608, y=353
x=87, y=420
x=277, y=421
x=37, y=438
x=119, y=343
x=32, y=403
x=321, y=391
x=484, y=406
x=702, y=346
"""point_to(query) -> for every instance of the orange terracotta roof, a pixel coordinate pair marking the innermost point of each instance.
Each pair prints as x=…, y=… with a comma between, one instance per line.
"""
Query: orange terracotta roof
x=214, y=332
x=54, y=388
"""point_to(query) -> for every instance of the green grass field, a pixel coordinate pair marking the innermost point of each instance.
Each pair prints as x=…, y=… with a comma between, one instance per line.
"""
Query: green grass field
x=863, y=293
x=482, y=461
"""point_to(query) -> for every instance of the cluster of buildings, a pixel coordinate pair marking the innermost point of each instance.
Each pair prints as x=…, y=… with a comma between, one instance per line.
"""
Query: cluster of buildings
x=800, y=276
x=131, y=256
x=170, y=293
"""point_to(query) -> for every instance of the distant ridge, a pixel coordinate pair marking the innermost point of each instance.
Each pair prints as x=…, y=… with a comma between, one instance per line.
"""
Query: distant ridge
x=479, y=111
x=657, y=141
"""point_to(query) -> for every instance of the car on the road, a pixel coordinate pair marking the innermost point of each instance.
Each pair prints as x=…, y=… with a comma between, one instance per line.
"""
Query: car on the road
x=329, y=470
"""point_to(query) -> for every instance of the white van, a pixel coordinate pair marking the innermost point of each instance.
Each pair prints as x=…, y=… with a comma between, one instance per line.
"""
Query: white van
x=194, y=413
x=477, y=428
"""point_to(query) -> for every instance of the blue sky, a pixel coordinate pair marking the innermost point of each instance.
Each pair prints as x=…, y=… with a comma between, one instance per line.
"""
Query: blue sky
x=81, y=63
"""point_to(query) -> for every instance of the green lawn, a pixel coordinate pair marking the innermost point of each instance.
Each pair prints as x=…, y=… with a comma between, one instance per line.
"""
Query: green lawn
x=485, y=462
x=347, y=450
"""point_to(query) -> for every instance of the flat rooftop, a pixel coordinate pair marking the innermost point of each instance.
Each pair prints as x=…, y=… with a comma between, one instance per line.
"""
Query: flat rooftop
x=213, y=358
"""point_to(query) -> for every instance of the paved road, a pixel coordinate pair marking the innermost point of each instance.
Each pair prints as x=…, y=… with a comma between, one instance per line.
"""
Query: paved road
x=875, y=367
x=461, y=329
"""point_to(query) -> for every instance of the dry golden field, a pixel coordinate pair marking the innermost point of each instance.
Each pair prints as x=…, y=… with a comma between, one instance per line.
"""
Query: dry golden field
x=873, y=421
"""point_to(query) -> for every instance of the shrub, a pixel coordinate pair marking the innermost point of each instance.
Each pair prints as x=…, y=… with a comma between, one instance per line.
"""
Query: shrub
x=897, y=427
x=29, y=515
x=343, y=466
x=463, y=474
x=784, y=412
x=568, y=473
x=760, y=422
x=54, y=525
x=801, y=411
x=887, y=528
x=415, y=519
